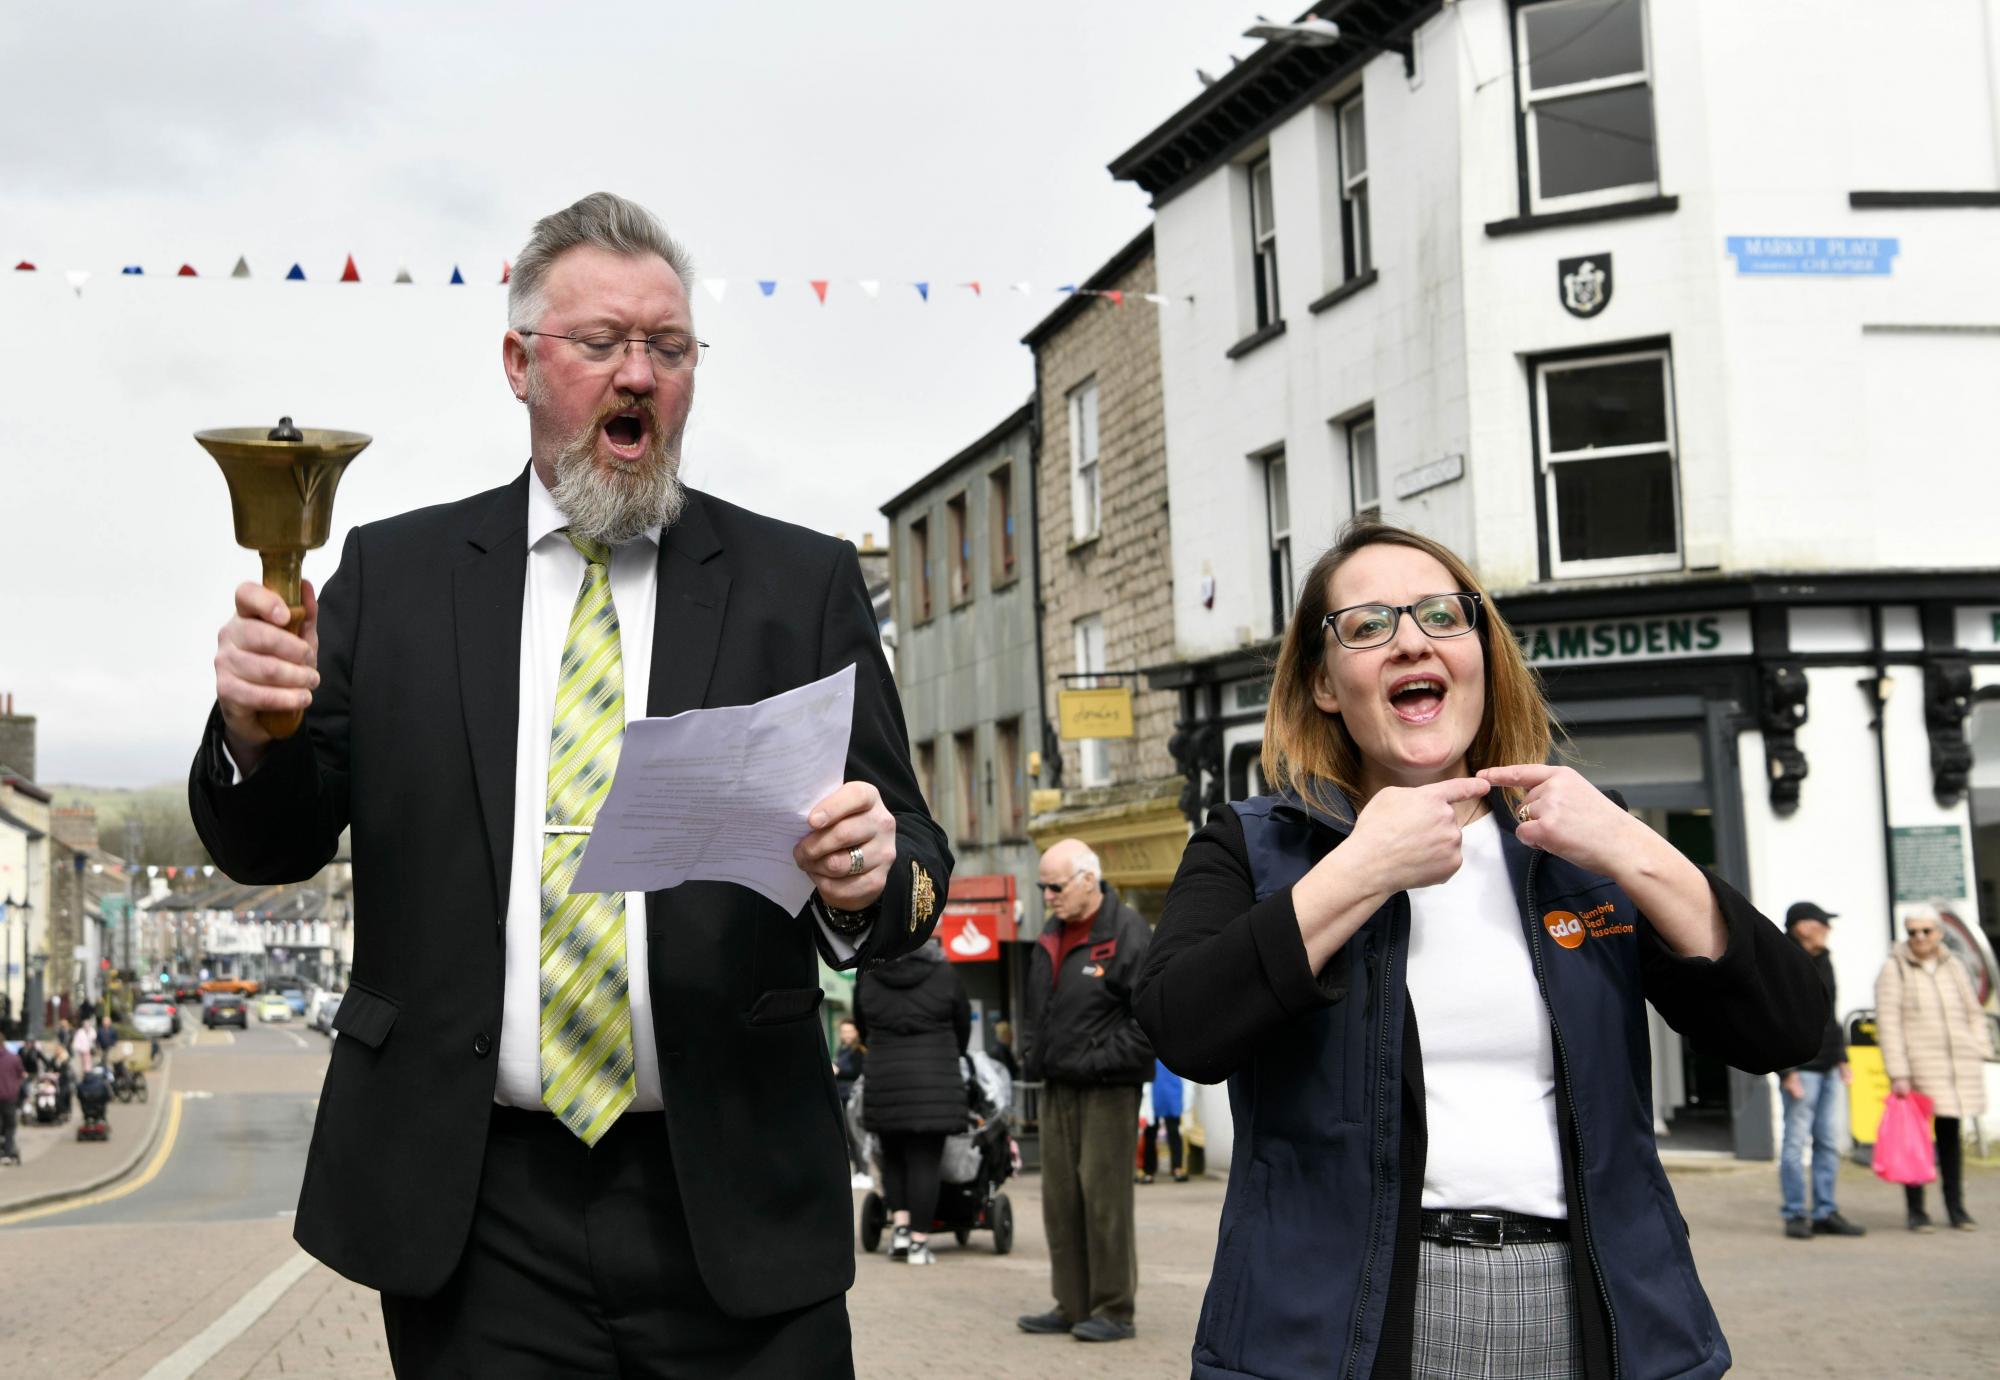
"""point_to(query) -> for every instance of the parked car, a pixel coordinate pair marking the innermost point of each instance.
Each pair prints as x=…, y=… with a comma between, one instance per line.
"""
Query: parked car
x=292, y=988
x=242, y=987
x=156, y=1016
x=319, y=1016
x=225, y=1008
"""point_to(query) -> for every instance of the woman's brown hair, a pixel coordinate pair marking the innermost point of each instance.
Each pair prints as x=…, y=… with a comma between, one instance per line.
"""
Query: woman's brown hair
x=1310, y=752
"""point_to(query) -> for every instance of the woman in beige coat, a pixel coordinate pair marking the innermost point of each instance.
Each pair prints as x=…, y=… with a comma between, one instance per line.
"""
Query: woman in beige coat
x=1934, y=1041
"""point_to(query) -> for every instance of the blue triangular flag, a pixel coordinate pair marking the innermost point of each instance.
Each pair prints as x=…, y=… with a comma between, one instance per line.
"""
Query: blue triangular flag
x=767, y=285
x=457, y=278
x=297, y=275
x=132, y=269
x=924, y=291
x=1067, y=287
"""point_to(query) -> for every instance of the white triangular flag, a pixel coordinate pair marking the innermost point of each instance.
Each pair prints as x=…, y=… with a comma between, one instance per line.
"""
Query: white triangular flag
x=716, y=287
x=77, y=278
x=403, y=275
x=1021, y=288
x=871, y=286
x=1156, y=298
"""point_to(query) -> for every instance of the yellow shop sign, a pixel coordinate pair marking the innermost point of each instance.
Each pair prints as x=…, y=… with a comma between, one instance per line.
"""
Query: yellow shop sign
x=1105, y=713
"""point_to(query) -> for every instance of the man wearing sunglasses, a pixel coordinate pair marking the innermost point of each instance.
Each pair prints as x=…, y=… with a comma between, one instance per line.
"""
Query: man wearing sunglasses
x=577, y=1135
x=1079, y=1039
x=1815, y=1095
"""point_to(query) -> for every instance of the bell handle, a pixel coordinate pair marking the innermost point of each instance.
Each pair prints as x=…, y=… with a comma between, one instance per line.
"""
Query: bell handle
x=283, y=572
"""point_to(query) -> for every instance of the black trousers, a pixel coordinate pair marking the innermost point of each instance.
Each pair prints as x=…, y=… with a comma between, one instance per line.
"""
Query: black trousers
x=10, y=1117
x=910, y=1161
x=1150, y=1144
x=1951, y=1169
x=579, y=1264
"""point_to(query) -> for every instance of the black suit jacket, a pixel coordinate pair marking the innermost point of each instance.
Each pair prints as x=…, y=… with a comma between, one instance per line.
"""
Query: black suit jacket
x=410, y=742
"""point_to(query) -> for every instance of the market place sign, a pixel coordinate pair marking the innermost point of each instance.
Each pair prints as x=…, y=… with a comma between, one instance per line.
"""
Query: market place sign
x=1648, y=637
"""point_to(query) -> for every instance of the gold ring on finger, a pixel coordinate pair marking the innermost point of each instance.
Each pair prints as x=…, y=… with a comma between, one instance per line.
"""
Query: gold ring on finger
x=856, y=863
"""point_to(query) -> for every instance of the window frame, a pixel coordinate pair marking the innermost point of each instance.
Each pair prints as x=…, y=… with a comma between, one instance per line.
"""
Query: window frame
x=1547, y=461
x=958, y=526
x=1527, y=137
x=1093, y=765
x=1277, y=539
x=1011, y=773
x=1267, y=306
x=965, y=779
x=920, y=570
x=1086, y=476
x=926, y=765
x=1003, y=552
x=1353, y=427
x=1354, y=263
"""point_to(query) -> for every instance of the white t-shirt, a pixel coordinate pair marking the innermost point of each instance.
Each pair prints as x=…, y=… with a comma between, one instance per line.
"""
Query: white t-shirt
x=1488, y=1051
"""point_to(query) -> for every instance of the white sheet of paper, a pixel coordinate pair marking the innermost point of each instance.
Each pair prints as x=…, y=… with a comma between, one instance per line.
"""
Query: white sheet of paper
x=722, y=795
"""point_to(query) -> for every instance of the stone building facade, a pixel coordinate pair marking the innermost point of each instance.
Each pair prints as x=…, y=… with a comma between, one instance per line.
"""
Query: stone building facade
x=1105, y=571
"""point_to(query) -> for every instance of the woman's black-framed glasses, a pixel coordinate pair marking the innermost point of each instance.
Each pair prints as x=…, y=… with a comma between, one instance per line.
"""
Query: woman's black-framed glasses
x=1362, y=626
x=669, y=350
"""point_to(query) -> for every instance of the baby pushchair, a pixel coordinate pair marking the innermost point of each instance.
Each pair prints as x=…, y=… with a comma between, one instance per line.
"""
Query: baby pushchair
x=976, y=1162
x=52, y=1094
x=93, y=1096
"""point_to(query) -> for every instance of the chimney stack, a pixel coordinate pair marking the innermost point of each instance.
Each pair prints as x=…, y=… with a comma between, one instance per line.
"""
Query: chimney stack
x=17, y=739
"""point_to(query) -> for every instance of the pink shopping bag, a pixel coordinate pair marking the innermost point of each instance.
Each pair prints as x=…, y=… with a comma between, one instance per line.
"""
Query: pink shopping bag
x=1903, y=1150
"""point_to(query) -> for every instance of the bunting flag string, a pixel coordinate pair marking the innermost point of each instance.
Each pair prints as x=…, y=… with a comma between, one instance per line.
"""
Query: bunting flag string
x=824, y=290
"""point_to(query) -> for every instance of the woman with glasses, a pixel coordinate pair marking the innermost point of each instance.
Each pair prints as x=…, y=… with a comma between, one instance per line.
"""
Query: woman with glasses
x=1422, y=964
x=1934, y=1041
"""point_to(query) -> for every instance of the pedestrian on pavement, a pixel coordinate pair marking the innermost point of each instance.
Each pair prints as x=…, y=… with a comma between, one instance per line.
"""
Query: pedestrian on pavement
x=107, y=1035
x=850, y=1060
x=914, y=1017
x=587, y=1137
x=1080, y=1041
x=1815, y=1099
x=83, y=1047
x=1003, y=1049
x=1491, y=1202
x=13, y=1077
x=1167, y=1104
x=1934, y=1039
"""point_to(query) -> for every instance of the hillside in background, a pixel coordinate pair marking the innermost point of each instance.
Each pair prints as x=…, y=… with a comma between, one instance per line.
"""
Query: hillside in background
x=166, y=835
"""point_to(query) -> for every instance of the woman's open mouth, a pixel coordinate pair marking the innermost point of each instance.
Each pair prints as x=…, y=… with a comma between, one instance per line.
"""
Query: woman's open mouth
x=1417, y=699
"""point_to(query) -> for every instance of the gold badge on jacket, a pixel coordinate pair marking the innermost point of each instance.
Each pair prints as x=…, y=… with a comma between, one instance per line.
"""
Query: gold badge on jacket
x=923, y=896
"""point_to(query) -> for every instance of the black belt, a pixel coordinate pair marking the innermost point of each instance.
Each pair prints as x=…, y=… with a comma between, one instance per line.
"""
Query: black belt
x=1492, y=1229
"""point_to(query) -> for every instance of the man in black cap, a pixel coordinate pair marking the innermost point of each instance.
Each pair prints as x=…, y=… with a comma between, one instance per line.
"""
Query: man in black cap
x=1815, y=1099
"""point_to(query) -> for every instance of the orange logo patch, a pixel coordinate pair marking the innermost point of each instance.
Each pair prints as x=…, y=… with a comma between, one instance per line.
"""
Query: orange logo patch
x=1564, y=928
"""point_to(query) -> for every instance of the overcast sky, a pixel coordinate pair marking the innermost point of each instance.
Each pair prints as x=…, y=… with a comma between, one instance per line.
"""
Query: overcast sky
x=892, y=141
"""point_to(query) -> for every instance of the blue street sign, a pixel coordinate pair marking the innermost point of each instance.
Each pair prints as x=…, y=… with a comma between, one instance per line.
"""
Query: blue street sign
x=1812, y=255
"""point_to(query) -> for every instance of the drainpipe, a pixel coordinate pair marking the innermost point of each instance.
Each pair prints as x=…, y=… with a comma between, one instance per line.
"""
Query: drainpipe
x=1878, y=688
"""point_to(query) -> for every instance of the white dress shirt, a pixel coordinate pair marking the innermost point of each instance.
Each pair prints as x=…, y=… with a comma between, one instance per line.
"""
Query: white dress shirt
x=555, y=574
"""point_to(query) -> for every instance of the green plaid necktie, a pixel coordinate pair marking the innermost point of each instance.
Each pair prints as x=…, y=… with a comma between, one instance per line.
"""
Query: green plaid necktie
x=587, y=1077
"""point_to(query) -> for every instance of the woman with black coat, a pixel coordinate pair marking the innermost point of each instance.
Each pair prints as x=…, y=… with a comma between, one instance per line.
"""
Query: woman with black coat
x=915, y=1022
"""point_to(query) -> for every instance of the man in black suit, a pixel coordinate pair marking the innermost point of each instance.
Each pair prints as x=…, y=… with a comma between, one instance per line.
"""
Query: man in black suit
x=572, y=1135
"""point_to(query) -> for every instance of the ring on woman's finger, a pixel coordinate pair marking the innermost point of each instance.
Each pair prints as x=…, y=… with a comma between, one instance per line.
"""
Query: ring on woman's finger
x=1524, y=814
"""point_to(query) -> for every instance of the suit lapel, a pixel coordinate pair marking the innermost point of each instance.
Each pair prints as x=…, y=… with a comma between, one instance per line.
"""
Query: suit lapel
x=487, y=592
x=687, y=612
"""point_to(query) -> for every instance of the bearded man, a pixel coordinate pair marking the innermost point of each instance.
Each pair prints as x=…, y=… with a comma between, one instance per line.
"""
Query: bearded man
x=572, y=1135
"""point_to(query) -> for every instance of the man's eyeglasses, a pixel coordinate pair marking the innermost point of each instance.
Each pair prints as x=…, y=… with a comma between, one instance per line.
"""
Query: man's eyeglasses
x=669, y=351
x=1048, y=887
x=1371, y=625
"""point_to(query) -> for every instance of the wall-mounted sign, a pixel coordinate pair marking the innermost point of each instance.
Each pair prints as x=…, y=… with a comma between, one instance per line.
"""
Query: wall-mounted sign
x=1642, y=637
x=1812, y=255
x=1979, y=629
x=1101, y=713
x=1410, y=483
x=968, y=937
x=1930, y=862
x=1584, y=284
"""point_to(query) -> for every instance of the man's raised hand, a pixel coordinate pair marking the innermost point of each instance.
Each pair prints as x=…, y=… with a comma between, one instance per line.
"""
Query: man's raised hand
x=260, y=666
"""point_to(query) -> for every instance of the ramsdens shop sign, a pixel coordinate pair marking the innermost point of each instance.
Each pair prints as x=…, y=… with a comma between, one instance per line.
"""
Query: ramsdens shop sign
x=1648, y=637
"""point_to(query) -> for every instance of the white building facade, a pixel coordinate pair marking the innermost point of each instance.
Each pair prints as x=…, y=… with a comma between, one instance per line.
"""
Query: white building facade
x=1692, y=350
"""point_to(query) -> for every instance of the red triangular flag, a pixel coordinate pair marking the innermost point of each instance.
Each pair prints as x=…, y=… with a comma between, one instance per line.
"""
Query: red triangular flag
x=24, y=267
x=819, y=287
x=187, y=271
x=506, y=271
x=1117, y=298
x=974, y=285
x=350, y=274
